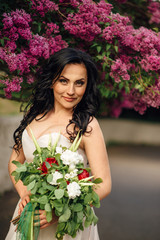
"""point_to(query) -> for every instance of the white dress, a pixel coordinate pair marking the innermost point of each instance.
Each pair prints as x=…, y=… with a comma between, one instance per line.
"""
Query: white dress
x=48, y=233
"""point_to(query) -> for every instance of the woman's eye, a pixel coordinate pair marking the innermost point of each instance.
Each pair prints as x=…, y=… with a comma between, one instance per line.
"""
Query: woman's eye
x=63, y=80
x=80, y=83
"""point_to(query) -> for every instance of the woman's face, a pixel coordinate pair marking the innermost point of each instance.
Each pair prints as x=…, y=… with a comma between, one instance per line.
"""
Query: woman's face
x=70, y=87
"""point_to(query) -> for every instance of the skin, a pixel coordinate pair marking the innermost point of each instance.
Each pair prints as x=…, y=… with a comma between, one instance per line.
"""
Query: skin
x=68, y=91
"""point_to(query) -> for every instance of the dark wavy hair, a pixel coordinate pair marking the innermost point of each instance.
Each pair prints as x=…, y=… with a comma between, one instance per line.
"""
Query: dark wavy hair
x=42, y=100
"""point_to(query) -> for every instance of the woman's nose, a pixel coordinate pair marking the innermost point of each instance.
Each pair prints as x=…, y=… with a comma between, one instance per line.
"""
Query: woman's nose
x=70, y=89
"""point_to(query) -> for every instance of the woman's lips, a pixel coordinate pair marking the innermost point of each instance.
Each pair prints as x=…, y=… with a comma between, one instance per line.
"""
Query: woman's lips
x=69, y=99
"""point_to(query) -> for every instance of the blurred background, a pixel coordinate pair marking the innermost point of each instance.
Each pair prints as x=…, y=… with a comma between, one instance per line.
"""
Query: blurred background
x=131, y=211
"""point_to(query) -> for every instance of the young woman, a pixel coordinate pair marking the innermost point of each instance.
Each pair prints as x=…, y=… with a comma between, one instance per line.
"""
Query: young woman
x=65, y=100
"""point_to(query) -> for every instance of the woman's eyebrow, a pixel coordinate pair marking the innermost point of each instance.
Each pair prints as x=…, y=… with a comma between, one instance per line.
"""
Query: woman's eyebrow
x=76, y=79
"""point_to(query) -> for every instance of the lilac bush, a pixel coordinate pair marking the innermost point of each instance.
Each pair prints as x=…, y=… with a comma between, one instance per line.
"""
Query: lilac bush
x=128, y=58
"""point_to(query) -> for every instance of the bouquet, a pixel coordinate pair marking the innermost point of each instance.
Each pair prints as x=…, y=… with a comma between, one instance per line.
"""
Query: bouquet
x=57, y=181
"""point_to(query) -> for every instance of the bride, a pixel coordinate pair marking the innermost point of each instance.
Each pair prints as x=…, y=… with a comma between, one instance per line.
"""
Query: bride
x=64, y=100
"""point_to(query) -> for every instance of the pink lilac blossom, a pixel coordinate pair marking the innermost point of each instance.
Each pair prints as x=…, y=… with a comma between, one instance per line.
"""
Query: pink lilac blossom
x=12, y=86
x=118, y=27
x=56, y=44
x=40, y=46
x=11, y=46
x=51, y=28
x=151, y=63
x=33, y=61
x=12, y=34
x=154, y=10
x=2, y=54
x=19, y=18
x=17, y=23
x=142, y=40
x=150, y=98
x=119, y=69
x=30, y=79
x=17, y=62
x=43, y=6
x=85, y=23
x=25, y=33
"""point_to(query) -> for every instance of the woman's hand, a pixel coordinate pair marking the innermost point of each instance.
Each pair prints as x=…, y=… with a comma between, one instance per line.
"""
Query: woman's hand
x=43, y=220
x=24, y=200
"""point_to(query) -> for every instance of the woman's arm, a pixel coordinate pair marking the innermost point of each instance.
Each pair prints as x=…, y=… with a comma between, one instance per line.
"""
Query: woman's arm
x=95, y=149
x=23, y=192
x=21, y=189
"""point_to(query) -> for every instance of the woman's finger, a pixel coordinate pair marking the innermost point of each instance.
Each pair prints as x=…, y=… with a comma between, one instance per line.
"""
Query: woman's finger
x=45, y=225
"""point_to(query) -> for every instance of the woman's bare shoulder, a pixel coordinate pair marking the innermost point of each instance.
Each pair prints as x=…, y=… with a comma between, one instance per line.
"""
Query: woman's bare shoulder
x=93, y=125
x=93, y=129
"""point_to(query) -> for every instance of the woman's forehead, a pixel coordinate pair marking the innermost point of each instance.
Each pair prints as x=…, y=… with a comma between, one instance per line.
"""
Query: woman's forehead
x=77, y=70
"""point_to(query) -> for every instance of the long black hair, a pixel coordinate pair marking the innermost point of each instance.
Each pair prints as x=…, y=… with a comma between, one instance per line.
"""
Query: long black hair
x=42, y=100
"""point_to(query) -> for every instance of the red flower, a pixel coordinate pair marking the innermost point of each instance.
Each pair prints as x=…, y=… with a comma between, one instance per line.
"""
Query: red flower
x=51, y=160
x=43, y=167
x=84, y=174
x=67, y=182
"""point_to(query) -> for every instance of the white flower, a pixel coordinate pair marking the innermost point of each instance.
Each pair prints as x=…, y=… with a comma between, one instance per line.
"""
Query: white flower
x=56, y=175
x=72, y=167
x=59, y=150
x=73, y=190
x=68, y=157
x=71, y=174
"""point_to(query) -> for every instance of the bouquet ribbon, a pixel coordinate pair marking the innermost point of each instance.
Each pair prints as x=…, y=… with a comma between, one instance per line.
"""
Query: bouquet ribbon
x=26, y=228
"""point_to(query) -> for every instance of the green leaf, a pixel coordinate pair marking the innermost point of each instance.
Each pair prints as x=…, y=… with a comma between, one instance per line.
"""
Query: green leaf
x=79, y=217
x=49, y=178
x=17, y=177
x=69, y=227
x=61, y=226
x=87, y=223
x=95, y=219
x=43, y=199
x=48, y=165
x=88, y=210
x=42, y=190
x=65, y=216
x=98, y=180
x=99, y=49
x=47, y=207
x=2, y=42
x=116, y=48
x=96, y=201
x=31, y=185
x=77, y=207
x=63, y=184
x=18, y=164
x=108, y=46
x=21, y=169
x=6, y=38
x=34, y=190
x=49, y=216
x=14, y=173
x=59, y=193
x=87, y=198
